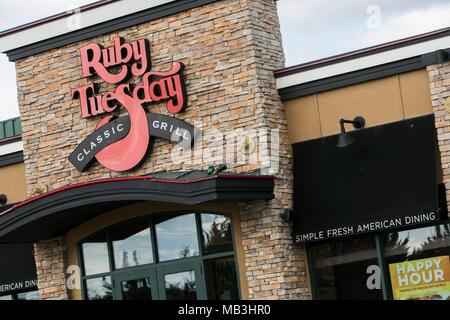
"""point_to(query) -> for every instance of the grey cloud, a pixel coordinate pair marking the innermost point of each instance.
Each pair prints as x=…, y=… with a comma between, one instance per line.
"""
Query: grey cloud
x=8, y=90
x=15, y=13
x=320, y=28
x=318, y=15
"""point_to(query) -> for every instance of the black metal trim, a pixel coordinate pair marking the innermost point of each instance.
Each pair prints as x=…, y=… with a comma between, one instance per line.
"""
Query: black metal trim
x=55, y=213
x=11, y=158
x=368, y=74
x=106, y=27
x=10, y=140
x=7, y=206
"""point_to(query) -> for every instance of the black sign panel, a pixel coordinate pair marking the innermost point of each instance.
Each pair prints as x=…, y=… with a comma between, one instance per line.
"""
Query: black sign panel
x=17, y=268
x=385, y=179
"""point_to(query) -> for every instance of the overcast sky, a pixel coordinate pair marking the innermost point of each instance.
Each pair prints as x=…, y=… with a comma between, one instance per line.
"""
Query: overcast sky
x=311, y=29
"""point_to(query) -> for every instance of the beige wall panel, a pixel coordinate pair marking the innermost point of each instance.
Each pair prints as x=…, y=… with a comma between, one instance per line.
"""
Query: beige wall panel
x=415, y=92
x=145, y=208
x=303, y=119
x=377, y=101
x=13, y=182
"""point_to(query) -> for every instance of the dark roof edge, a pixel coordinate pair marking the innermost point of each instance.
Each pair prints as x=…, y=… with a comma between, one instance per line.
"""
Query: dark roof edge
x=11, y=158
x=149, y=178
x=363, y=52
x=55, y=17
x=106, y=27
x=363, y=75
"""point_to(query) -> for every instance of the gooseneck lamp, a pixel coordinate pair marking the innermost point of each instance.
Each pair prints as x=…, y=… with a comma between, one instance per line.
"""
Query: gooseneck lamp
x=344, y=138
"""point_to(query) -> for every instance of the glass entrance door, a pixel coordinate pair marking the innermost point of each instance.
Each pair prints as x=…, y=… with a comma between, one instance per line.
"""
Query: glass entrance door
x=136, y=285
x=181, y=281
x=177, y=281
x=168, y=256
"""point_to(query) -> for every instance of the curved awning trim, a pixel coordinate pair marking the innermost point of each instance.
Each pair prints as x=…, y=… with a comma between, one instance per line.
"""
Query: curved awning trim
x=56, y=212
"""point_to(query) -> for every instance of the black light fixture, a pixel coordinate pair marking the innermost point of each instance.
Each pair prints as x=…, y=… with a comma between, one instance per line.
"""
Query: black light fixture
x=210, y=170
x=344, y=138
x=288, y=214
x=3, y=199
x=220, y=168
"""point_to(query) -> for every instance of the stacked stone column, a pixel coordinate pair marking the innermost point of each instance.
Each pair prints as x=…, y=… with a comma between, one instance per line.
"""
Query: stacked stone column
x=50, y=257
x=439, y=77
x=230, y=50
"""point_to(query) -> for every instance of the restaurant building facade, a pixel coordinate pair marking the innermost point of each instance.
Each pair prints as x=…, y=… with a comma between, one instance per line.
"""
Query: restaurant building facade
x=165, y=152
x=370, y=156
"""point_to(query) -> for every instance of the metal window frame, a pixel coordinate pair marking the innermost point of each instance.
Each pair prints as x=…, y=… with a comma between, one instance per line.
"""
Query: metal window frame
x=201, y=258
x=384, y=272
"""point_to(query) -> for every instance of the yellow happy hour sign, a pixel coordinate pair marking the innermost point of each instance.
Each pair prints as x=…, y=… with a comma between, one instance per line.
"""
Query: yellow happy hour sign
x=418, y=279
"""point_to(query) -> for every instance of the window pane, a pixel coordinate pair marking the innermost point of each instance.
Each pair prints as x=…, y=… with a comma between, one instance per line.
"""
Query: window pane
x=6, y=297
x=216, y=233
x=221, y=281
x=132, y=244
x=138, y=289
x=417, y=243
x=418, y=260
x=346, y=269
x=99, y=288
x=31, y=295
x=95, y=255
x=177, y=238
x=180, y=286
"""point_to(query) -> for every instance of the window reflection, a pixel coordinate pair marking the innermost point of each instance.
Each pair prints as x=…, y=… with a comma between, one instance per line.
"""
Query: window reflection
x=221, y=279
x=132, y=244
x=180, y=286
x=417, y=243
x=413, y=245
x=177, y=238
x=99, y=288
x=30, y=295
x=139, y=289
x=341, y=269
x=95, y=255
x=216, y=232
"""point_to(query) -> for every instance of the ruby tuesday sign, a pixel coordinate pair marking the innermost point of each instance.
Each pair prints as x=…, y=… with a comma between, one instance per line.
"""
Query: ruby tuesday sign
x=120, y=144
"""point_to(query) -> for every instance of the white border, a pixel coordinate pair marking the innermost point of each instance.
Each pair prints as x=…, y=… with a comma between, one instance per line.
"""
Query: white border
x=87, y=18
x=363, y=62
x=11, y=147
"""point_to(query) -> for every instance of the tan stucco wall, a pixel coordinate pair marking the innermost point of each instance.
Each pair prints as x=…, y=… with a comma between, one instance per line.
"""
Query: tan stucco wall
x=13, y=182
x=379, y=101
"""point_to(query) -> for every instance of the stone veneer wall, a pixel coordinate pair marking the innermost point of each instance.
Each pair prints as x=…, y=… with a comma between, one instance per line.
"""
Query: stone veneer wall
x=50, y=256
x=439, y=77
x=276, y=268
x=230, y=49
